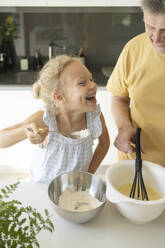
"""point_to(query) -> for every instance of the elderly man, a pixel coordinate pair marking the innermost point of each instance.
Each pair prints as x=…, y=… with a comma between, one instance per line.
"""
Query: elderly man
x=138, y=87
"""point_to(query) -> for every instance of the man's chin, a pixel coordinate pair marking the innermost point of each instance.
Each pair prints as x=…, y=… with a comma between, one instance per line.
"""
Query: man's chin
x=160, y=50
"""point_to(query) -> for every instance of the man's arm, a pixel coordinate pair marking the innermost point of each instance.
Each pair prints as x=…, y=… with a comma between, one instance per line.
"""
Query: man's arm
x=126, y=133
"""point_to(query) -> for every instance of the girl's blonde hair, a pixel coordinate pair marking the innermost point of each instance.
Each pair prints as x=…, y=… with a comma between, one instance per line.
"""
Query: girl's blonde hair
x=49, y=81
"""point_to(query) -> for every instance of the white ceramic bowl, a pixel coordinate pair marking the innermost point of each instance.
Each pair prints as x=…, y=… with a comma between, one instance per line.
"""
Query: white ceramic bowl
x=136, y=211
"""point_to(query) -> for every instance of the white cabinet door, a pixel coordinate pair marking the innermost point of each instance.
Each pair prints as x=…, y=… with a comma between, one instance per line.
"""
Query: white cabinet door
x=68, y=3
x=23, y=3
x=120, y=3
x=15, y=106
x=75, y=3
x=94, y=3
x=7, y=2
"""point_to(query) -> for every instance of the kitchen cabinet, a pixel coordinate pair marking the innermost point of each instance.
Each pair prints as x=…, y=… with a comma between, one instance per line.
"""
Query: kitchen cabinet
x=68, y=3
x=93, y=3
x=77, y=3
x=16, y=103
x=122, y=3
x=22, y=3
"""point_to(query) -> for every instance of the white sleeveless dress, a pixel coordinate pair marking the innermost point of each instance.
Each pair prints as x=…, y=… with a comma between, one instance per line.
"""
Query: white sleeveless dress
x=63, y=154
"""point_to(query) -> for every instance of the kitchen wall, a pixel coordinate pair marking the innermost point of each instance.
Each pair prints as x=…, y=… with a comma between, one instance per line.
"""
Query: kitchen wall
x=100, y=31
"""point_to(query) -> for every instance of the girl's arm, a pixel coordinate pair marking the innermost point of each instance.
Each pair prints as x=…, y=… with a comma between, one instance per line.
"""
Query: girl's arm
x=16, y=133
x=101, y=149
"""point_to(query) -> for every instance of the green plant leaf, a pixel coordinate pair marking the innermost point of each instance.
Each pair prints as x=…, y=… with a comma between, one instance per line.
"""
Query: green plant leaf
x=20, y=225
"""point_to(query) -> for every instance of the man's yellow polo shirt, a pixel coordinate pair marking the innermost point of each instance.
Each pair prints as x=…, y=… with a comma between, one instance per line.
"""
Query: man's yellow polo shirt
x=140, y=75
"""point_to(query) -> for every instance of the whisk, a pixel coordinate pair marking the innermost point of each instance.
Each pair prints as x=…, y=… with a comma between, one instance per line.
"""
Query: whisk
x=138, y=187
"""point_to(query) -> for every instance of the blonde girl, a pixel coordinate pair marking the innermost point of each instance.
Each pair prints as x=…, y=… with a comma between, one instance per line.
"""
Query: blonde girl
x=65, y=128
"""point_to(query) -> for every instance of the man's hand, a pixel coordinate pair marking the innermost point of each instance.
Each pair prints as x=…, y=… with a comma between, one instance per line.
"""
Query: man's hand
x=125, y=140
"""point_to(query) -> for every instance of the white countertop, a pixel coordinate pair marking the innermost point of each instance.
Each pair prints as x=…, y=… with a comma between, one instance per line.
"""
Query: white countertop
x=13, y=87
x=108, y=229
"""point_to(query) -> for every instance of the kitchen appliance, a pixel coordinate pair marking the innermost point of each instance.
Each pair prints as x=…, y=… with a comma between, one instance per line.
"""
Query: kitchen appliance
x=55, y=49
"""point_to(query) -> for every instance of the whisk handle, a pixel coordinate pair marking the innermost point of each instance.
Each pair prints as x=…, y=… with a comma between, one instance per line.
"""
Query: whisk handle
x=138, y=152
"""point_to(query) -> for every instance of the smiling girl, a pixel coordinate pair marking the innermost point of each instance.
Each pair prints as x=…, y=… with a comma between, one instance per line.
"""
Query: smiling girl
x=66, y=127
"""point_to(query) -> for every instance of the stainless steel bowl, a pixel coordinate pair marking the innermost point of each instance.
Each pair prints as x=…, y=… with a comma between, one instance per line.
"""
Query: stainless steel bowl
x=77, y=181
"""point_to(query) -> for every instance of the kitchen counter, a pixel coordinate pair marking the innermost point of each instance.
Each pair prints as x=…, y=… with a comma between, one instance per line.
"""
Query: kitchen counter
x=18, y=78
x=108, y=229
x=28, y=87
x=29, y=77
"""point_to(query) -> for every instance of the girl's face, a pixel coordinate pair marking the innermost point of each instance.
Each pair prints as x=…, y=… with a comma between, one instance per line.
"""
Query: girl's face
x=79, y=88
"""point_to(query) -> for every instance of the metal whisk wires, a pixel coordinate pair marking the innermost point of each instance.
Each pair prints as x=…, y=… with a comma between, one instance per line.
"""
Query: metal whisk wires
x=138, y=188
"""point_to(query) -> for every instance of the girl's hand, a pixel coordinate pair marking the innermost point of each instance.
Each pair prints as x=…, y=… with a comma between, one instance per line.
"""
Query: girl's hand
x=35, y=135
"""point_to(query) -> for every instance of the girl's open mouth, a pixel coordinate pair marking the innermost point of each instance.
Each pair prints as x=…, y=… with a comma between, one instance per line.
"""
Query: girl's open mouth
x=91, y=99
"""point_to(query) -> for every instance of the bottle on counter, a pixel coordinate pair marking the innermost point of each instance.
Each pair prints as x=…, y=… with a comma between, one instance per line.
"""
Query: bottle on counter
x=24, y=64
x=38, y=62
x=50, y=49
x=3, y=67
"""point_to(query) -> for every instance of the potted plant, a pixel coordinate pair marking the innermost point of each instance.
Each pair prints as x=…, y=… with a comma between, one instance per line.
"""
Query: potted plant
x=20, y=225
x=7, y=48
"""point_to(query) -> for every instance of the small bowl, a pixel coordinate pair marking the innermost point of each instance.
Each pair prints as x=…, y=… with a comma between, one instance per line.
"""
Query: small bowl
x=136, y=211
x=77, y=181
